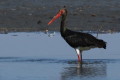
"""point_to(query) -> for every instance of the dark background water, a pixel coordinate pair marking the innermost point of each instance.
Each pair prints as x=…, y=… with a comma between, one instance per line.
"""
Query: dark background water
x=82, y=14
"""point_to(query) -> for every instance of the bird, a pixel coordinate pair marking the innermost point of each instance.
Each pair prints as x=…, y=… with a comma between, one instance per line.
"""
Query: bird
x=80, y=41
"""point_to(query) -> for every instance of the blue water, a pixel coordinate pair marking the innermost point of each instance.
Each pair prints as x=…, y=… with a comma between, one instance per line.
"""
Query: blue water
x=36, y=56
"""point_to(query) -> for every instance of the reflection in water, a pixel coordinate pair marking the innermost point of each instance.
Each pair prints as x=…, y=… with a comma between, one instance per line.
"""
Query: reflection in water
x=86, y=71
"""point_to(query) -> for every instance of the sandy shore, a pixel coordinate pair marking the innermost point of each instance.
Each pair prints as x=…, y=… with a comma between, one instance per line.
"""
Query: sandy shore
x=82, y=14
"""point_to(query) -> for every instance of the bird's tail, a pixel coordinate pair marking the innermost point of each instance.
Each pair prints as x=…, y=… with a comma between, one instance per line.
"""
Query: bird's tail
x=102, y=44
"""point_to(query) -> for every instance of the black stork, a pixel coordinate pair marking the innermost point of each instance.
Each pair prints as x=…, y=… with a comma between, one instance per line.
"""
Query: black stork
x=78, y=40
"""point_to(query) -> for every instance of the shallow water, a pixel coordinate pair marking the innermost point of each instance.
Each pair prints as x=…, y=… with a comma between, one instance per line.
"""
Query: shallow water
x=35, y=56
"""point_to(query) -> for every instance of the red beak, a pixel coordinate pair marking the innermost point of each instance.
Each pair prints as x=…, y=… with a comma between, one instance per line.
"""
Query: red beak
x=54, y=18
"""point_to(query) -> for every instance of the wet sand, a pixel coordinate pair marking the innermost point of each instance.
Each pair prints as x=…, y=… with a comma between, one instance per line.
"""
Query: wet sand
x=33, y=15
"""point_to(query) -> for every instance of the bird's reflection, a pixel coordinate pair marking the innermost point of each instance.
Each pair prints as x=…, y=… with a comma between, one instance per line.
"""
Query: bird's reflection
x=86, y=70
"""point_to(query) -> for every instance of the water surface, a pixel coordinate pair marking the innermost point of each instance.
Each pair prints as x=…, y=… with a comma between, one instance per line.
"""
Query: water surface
x=36, y=56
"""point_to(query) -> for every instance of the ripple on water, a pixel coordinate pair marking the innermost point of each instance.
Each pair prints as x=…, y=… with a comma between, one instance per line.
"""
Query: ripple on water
x=69, y=61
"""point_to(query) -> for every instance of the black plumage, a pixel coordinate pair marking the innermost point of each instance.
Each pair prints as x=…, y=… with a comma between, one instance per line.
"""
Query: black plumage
x=78, y=40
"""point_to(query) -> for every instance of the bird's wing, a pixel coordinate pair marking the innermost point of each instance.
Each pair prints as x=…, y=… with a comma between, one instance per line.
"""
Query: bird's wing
x=76, y=39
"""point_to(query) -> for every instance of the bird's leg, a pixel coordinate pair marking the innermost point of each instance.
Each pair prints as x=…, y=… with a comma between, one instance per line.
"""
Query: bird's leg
x=79, y=59
x=79, y=54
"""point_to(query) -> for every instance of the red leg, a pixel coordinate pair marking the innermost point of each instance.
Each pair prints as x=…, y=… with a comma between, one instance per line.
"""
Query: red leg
x=79, y=58
x=79, y=54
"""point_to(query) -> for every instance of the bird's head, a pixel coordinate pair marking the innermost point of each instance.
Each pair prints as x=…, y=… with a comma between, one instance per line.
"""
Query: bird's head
x=62, y=12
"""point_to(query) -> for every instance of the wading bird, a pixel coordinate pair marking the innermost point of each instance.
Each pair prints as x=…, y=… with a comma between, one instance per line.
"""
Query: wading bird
x=78, y=40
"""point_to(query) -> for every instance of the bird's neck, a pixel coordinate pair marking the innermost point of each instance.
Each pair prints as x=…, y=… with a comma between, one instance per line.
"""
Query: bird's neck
x=62, y=26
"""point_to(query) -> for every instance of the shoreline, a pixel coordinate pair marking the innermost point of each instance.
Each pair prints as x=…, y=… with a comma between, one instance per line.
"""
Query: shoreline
x=9, y=30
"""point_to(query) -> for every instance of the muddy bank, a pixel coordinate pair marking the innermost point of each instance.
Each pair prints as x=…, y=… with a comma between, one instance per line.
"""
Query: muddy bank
x=82, y=14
